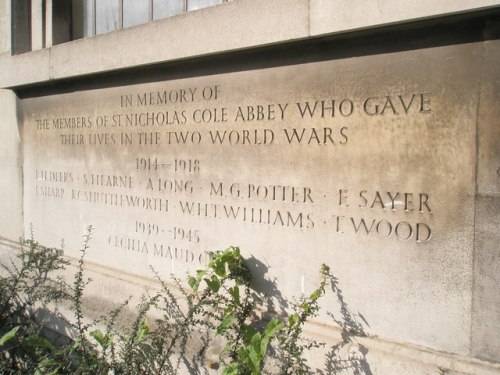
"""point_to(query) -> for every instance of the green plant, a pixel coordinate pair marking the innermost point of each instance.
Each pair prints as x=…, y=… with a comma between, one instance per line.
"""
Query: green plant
x=218, y=303
x=292, y=359
x=26, y=284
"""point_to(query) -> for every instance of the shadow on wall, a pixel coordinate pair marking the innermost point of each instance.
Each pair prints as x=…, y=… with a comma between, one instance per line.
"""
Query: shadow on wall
x=345, y=357
x=275, y=302
x=348, y=355
x=56, y=329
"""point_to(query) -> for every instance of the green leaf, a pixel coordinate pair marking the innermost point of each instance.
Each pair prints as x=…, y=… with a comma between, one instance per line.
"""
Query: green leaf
x=193, y=282
x=305, y=307
x=272, y=328
x=315, y=295
x=227, y=322
x=45, y=364
x=256, y=339
x=219, y=269
x=40, y=342
x=142, y=330
x=9, y=335
x=77, y=344
x=200, y=273
x=244, y=356
x=324, y=270
x=254, y=351
x=213, y=283
x=248, y=332
x=230, y=254
x=231, y=369
x=223, y=260
x=235, y=293
x=103, y=340
x=293, y=319
x=227, y=348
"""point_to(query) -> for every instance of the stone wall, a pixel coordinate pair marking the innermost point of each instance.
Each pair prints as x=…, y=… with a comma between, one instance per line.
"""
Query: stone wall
x=375, y=152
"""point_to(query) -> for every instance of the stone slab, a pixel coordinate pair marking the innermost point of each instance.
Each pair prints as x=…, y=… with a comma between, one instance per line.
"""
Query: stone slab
x=366, y=164
x=228, y=26
x=4, y=9
x=5, y=30
x=486, y=312
x=333, y=16
x=11, y=209
x=5, y=27
x=231, y=26
x=488, y=178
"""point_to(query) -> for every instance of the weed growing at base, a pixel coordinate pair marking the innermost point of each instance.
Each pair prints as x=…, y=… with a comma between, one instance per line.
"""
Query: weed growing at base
x=218, y=304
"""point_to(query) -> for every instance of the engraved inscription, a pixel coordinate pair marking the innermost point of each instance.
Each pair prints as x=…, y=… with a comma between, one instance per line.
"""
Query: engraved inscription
x=172, y=175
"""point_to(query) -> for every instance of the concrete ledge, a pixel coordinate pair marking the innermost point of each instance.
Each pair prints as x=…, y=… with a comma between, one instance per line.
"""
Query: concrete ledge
x=337, y=16
x=231, y=26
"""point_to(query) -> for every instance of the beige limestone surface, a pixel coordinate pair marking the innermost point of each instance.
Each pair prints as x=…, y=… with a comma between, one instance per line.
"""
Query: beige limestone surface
x=11, y=208
x=338, y=15
x=366, y=164
x=486, y=307
x=5, y=27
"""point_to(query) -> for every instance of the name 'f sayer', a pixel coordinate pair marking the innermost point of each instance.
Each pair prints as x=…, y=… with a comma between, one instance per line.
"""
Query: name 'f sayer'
x=408, y=202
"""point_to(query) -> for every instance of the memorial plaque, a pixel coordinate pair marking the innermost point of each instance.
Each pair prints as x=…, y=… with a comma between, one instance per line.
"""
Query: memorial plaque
x=365, y=164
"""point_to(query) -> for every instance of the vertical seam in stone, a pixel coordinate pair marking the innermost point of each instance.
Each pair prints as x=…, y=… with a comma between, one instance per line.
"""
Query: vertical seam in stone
x=50, y=72
x=309, y=17
x=9, y=22
x=476, y=167
x=20, y=160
